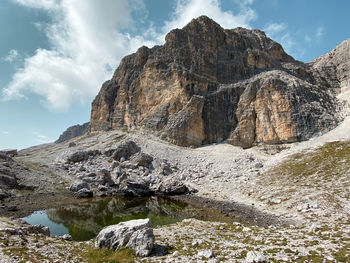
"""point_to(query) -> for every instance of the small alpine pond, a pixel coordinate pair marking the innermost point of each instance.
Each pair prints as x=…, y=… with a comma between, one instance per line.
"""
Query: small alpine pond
x=84, y=221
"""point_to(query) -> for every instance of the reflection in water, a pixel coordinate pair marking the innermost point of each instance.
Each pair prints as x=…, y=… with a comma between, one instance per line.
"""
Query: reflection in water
x=85, y=220
x=40, y=217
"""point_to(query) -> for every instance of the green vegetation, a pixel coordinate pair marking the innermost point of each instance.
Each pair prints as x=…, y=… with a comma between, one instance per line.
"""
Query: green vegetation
x=329, y=161
x=93, y=255
x=343, y=254
x=326, y=170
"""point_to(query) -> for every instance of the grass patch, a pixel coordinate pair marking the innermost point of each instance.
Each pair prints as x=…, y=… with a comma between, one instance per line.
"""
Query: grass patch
x=325, y=168
x=343, y=254
x=330, y=160
x=93, y=255
x=25, y=254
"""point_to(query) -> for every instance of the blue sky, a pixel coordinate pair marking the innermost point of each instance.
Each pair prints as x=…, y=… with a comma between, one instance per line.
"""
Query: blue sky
x=55, y=54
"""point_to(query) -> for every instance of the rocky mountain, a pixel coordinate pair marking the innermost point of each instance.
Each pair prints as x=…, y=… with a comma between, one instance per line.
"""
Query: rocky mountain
x=335, y=66
x=72, y=132
x=207, y=84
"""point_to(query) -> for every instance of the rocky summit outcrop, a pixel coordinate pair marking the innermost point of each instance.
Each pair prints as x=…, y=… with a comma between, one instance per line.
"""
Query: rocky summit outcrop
x=335, y=66
x=72, y=132
x=207, y=84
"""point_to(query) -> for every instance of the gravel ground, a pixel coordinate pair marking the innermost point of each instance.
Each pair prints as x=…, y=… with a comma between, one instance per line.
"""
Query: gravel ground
x=305, y=184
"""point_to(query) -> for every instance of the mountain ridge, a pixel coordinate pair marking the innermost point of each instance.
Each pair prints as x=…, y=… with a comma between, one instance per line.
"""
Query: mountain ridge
x=73, y=131
x=207, y=84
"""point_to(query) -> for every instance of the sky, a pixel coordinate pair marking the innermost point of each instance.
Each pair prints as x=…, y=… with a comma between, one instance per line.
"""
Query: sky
x=55, y=54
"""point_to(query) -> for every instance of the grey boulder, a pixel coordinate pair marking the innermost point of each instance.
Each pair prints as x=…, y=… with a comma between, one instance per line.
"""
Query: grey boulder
x=126, y=149
x=10, y=152
x=135, y=234
x=78, y=157
x=104, y=177
x=172, y=187
x=78, y=185
x=162, y=167
x=83, y=193
x=135, y=186
x=142, y=159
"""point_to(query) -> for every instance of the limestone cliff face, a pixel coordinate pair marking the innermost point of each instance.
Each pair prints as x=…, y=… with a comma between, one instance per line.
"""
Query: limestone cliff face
x=207, y=84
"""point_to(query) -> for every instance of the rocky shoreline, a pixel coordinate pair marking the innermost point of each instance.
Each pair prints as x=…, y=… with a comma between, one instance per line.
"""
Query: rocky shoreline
x=238, y=212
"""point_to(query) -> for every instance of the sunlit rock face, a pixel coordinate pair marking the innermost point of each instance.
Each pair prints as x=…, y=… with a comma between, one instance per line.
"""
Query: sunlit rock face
x=207, y=84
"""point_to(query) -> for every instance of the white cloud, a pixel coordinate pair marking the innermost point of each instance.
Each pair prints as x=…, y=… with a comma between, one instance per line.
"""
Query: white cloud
x=307, y=39
x=39, y=26
x=278, y=32
x=243, y=3
x=315, y=37
x=287, y=42
x=88, y=39
x=5, y=132
x=275, y=28
x=41, y=138
x=186, y=10
x=11, y=56
x=319, y=33
x=45, y=4
x=247, y=2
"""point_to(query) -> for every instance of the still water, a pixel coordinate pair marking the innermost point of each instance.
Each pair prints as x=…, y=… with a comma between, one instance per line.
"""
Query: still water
x=84, y=221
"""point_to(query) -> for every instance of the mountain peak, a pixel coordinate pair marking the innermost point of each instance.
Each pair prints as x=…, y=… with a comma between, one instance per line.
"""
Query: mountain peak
x=208, y=84
x=204, y=21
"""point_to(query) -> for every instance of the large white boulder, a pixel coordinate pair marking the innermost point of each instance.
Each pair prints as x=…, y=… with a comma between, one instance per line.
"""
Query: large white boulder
x=135, y=234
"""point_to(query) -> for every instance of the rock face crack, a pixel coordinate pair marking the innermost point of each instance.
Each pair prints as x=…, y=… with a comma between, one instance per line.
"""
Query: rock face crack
x=207, y=84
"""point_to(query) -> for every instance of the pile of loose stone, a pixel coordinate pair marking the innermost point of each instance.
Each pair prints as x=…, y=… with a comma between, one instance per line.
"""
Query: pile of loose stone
x=21, y=242
x=124, y=170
